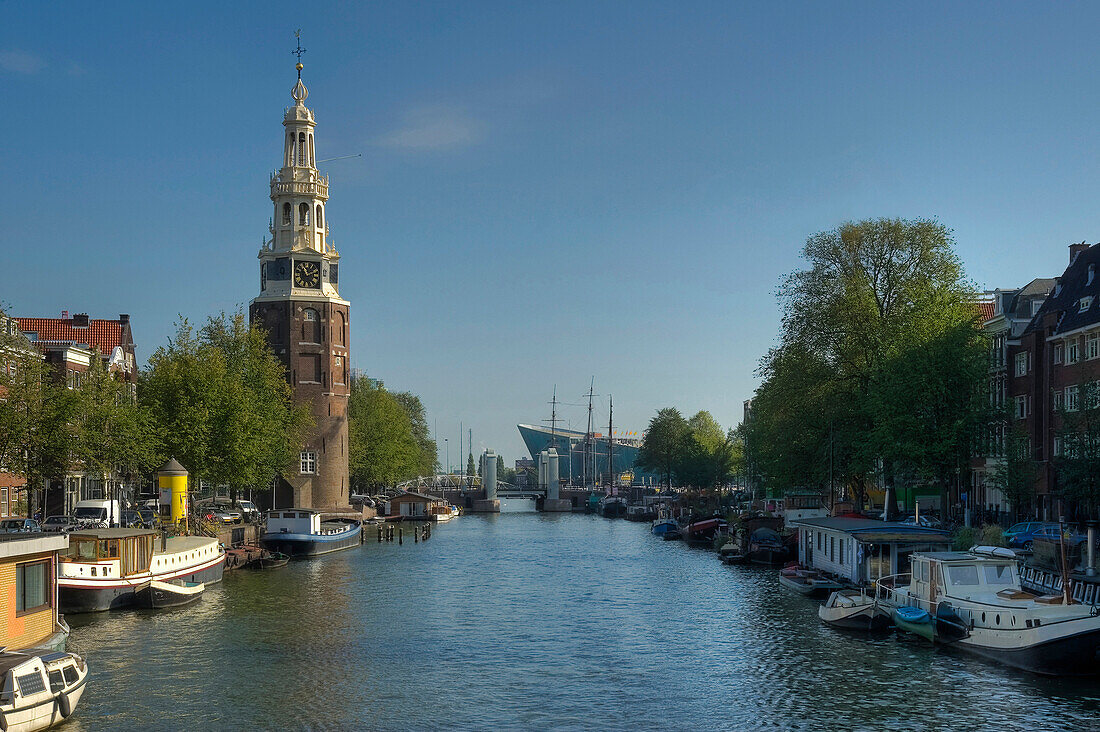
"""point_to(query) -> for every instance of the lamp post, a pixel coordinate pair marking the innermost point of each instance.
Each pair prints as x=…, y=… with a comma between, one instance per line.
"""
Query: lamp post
x=448, y=444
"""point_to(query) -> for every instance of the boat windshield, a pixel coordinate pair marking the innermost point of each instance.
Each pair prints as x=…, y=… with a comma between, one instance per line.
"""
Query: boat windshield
x=963, y=575
x=999, y=574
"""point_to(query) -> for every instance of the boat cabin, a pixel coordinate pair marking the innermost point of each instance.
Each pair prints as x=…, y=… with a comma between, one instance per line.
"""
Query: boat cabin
x=28, y=568
x=965, y=575
x=412, y=505
x=115, y=553
x=860, y=550
x=294, y=521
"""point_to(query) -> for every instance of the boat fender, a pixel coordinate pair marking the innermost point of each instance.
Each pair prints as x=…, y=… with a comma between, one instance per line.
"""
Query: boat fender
x=64, y=705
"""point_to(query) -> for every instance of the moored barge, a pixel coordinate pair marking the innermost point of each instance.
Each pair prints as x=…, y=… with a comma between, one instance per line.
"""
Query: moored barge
x=301, y=532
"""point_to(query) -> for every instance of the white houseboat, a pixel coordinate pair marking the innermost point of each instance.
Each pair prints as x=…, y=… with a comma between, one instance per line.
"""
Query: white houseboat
x=39, y=690
x=973, y=601
x=301, y=532
x=102, y=569
x=860, y=550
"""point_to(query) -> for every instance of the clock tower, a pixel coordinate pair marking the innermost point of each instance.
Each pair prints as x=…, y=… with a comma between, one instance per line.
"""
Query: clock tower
x=306, y=320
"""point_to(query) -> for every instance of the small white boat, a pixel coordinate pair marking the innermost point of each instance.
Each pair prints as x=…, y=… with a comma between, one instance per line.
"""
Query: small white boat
x=441, y=513
x=39, y=690
x=854, y=609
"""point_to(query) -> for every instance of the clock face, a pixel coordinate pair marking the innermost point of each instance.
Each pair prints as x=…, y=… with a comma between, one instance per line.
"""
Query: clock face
x=307, y=274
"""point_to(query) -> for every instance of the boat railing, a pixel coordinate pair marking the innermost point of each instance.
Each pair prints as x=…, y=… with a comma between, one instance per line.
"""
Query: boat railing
x=886, y=589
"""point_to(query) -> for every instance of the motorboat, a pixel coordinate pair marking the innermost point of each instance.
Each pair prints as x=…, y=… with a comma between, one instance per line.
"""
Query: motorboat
x=807, y=582
x=855, y=610
x=441, y=512
x=271, y=560
x=664, y=526
x=612, y=507
x=157, y=595
x=766, y=546
x=39, y=690
x=702, y=533
x=302, y=532
x=104, y=568
x=640, y=512
x=973, y=601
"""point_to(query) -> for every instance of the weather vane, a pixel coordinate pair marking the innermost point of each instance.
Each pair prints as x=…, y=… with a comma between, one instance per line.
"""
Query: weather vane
x=299, y=51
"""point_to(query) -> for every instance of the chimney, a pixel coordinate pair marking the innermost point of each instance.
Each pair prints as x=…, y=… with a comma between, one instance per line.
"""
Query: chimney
x=80, y=320
x=64, y=314
x=123, y=318
x=1075, y=249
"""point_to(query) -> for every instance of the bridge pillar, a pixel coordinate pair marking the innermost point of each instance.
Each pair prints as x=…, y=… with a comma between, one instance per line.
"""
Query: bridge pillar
x=489, y=504
x=553, y=503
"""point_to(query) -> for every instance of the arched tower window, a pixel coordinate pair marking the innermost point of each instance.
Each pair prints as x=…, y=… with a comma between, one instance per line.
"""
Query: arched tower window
x=301, y=148
x=289, y=149
x=311, y=163
x=286, y=214
x=320, y=217
x=339, y=329
x=303, y=214
x=311, y=326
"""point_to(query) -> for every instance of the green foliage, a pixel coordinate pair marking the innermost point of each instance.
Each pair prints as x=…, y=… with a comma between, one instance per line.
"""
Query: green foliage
x=428, y=451
x=881, y=361
x=383, y=448
x=993, y=535
x=500, y=466
x=663, y=443
x=470, y=469
x=963, y=538
x=1016, y=472
x=114, y=436
x=24, y=400
x=222, y=406
x=1079, y=464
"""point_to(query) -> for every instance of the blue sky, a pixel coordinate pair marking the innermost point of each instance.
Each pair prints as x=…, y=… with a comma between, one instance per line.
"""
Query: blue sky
x=548, y=191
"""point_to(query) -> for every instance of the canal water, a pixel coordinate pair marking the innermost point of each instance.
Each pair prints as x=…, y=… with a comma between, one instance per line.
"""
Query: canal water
x=532, y=621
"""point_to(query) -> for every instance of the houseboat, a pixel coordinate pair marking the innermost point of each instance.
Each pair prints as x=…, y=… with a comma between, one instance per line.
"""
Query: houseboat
x=40, y=690
x=301, y=532
x=104, y=568
x=858, y=551
x=973, y=601
x=29, y=563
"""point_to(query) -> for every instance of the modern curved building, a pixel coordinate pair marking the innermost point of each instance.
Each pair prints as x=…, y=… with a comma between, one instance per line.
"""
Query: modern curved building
x=588, y=454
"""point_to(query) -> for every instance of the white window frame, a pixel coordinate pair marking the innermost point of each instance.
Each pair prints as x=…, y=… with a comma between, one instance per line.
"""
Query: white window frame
x=1057, y=446
x=1021, y=407
x=1058, y=350
x=1021, y=364
x=1057, y=399
x=1084, y=304
x=1073, y=355
x=1092, y=346
x=308, y=462
x=1072, y=398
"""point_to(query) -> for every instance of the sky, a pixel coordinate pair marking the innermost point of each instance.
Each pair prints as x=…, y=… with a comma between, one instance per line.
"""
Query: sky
x=548, y=193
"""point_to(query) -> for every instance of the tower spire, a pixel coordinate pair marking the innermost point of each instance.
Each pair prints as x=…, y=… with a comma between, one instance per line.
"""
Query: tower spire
x=300, y=92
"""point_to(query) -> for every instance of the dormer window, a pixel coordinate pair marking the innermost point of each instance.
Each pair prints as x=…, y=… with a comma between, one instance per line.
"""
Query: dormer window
x=1092, y=273
x=1058, y=289
x=1085, y=303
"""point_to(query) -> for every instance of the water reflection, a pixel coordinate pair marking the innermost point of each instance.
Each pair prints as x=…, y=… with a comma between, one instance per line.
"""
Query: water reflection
x=539, y=621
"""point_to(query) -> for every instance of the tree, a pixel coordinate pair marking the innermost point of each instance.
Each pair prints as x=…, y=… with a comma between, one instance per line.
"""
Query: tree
x=22, y=398
x=428, y=451
x=877, y=295
x=221, y=404
x=1078, y=465
x=383, y=450
x=500, y=466
x=470, y=470
x=663, y=443
x=1016, y=471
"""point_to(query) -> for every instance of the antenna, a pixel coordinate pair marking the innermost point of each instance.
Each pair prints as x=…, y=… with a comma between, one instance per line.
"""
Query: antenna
x=340, y=157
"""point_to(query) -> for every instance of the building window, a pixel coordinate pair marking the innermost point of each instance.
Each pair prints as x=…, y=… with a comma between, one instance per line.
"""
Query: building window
x=311, y=326
x=31, y=586
x=286, y=214
x=1057, y=401
x=1057, y=446
x=309, y=463
x=1058, y=353
x=1071, y=399
x=1021, y=407
x=1072, y=353
x=320, y=216
x=301, y=148
x=1021, y=364
x=303, y=214
x=1085, y=303
x=3, y=501
x=1092, y=345
x=819, y=535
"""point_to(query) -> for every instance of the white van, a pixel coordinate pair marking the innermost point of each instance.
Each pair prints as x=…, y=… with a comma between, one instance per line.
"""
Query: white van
x=99, y=513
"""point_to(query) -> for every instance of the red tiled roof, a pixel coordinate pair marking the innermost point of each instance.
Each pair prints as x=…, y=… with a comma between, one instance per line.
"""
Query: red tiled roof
x=103, y=335
x=985, y=307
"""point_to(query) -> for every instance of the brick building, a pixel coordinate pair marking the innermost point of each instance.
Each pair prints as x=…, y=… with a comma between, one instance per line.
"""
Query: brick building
x=1050, y=363
x=70, y=345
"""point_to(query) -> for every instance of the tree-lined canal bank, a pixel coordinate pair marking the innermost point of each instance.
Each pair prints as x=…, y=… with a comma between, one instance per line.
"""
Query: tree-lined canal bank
x=534, y=621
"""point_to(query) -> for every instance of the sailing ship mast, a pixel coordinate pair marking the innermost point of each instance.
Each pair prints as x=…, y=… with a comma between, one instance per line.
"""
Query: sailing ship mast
x=610, y=444
x=588, y=439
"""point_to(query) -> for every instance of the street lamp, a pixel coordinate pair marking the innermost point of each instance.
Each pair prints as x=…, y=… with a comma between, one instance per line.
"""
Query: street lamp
x=448, y=444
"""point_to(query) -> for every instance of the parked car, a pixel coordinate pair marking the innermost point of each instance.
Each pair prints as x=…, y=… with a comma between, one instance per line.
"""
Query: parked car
x=1021, y=535
x=148, y=517
x=138, y=518
x=59, y=524
x=19, y=526
x=249, y=511
x=928, y=522
x=1055, y=533
x=220, y=515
